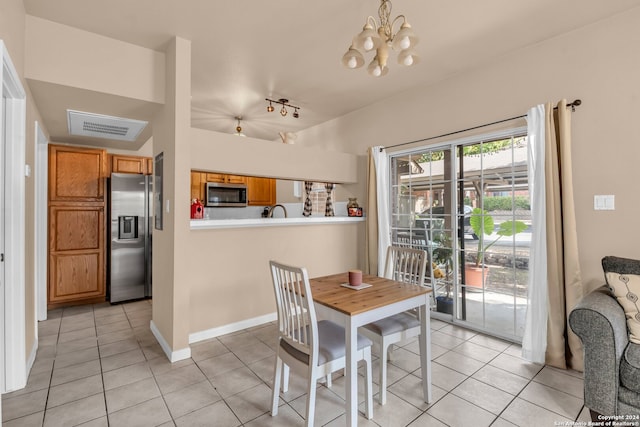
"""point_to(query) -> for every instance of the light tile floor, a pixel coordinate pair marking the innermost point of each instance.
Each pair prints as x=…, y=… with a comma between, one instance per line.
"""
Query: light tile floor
x=101, y=366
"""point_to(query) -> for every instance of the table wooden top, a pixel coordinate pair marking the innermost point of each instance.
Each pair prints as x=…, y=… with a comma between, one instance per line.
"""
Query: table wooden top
x=327, y=291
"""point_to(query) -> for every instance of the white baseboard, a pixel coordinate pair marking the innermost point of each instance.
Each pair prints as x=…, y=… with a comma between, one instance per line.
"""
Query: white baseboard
x=185, y=353
x=232, y=327
x=173, y=356
x=32, y=356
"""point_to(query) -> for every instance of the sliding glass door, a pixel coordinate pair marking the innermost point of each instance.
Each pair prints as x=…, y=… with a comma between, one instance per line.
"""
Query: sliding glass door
x=467, y=204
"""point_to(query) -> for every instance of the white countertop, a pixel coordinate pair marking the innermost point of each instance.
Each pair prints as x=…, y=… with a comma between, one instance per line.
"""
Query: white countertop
x=201, y=224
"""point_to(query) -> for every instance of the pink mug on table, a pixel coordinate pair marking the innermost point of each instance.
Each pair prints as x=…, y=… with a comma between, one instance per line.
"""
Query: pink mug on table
x=355, y=277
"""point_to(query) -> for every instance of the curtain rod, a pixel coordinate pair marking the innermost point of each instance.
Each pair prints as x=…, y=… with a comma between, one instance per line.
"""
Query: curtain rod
x=573, y=106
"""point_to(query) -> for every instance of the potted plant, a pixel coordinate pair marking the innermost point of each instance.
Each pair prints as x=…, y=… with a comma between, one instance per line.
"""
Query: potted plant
x=483, y=225
x=442, y=258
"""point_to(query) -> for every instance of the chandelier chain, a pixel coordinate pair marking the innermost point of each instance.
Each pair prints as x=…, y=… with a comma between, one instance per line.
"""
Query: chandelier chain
x=384, y=12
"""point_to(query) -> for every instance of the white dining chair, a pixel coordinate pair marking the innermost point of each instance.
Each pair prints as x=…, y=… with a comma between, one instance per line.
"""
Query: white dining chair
x=310, y=347
x=404, y=265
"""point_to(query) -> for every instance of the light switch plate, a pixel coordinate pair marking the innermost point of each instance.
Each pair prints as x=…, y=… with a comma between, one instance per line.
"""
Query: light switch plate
x=604, y=202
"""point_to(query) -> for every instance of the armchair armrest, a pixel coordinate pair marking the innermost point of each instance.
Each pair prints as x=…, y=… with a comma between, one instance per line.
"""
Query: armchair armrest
x=600, y=323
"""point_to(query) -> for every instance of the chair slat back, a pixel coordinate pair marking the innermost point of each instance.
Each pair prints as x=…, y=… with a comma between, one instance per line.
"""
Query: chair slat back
x=297, y=320
x=406, y=265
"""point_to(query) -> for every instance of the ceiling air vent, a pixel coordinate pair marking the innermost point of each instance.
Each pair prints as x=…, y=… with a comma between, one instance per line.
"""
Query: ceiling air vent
x=101, y=126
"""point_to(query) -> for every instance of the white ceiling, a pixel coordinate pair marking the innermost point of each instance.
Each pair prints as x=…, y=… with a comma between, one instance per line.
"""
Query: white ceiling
x=244, y=51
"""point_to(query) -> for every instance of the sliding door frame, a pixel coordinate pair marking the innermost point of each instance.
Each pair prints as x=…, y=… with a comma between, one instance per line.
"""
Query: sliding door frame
x=457, y=201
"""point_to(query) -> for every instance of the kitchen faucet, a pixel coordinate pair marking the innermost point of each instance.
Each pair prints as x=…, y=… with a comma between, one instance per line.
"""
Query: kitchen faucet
x=271, y=208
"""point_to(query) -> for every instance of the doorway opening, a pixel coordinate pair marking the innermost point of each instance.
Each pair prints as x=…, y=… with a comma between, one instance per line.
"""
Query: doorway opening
x=466, y=203
x=12, y=273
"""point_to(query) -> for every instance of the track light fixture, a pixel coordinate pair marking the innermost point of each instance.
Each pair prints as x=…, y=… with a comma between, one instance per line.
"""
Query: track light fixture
x=380, y=36
x=283, y=111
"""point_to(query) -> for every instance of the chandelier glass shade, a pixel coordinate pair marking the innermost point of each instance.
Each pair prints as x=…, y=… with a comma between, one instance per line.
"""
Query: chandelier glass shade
x=380, y=36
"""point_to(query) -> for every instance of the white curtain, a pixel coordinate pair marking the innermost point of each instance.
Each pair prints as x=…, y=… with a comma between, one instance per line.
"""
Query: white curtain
x=534, y=341
x=381, y=162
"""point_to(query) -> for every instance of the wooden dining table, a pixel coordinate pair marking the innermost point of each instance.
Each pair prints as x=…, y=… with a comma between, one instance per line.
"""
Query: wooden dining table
x=355, y=308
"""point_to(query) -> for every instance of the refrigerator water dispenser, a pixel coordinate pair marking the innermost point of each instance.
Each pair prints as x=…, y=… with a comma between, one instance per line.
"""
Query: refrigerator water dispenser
x=127, y=227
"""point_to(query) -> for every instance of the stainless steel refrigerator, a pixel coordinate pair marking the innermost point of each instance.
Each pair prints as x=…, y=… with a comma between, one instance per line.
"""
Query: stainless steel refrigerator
x=131, y=224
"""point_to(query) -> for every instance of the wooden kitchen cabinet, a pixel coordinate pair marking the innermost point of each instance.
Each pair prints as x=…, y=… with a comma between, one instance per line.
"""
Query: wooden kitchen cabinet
x=76, y=225
x=236, y=179
x=76, y=254
x=130, y=164
x=76, y=174
x=197, y=185
x=261, y=191
x=214, y=177
x=224, y=178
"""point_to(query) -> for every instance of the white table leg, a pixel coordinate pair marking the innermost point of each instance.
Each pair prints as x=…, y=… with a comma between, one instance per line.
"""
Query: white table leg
x=351, y=343
x=425, y=350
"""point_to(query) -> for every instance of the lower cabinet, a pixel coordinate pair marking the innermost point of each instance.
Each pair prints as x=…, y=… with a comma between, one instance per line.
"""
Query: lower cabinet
x=76, y=253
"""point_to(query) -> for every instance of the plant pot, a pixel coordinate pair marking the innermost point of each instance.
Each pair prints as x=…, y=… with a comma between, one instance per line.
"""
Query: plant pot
x=444, y=305
x=475, y=276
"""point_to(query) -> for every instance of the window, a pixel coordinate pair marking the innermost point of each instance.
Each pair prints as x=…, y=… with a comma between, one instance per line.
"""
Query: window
x=466, y=202
x=319, y=198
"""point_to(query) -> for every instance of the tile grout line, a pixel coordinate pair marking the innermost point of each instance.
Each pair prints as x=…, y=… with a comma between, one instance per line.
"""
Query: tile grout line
x=532, y=380
x=153, y=375
x=104, y=391
x=499, y=415
x=214, y=387
x=53, y=367
x=450, y=392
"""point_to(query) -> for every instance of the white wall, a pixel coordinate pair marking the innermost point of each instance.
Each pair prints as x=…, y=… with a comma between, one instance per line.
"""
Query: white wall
x=72, y=57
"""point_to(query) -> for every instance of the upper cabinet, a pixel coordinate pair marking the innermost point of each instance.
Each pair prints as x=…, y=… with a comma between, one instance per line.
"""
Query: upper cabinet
x=131, y=164
x=224, y=178
x=197, y=185
x=76, y=174
x=261, y=191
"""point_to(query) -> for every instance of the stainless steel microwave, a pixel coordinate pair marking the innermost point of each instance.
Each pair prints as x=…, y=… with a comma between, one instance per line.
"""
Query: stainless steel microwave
x=225, y=195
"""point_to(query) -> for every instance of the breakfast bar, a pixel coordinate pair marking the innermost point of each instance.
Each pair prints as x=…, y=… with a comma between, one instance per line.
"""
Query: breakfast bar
x=203, y=224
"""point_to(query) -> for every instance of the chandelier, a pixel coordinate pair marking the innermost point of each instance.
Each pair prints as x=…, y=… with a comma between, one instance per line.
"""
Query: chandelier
x=380, y=36
x=283, y=111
